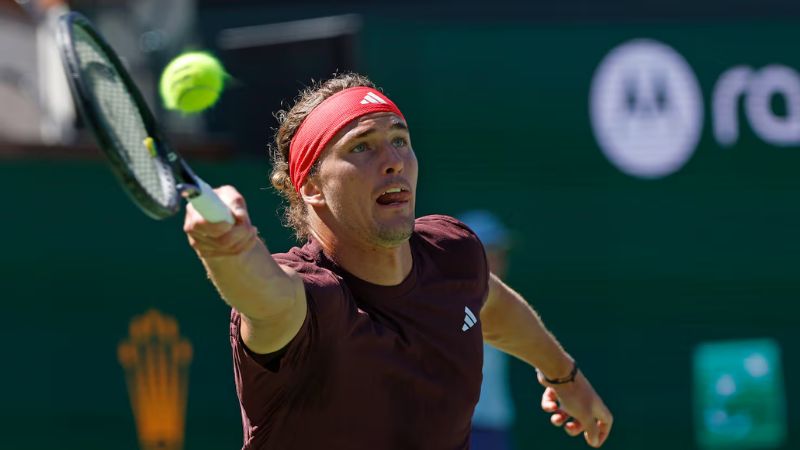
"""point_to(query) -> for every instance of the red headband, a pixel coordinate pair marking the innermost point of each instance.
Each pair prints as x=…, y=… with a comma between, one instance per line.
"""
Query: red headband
x=327, y=119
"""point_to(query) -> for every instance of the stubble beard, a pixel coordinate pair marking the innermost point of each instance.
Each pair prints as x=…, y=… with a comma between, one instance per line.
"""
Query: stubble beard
x=378, y=234
x=392, y=236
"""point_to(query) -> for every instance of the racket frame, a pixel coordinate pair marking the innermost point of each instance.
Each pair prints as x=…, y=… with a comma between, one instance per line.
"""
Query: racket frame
x=187, y=184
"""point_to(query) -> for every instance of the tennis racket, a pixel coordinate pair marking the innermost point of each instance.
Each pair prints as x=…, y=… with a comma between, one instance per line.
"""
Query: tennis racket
x=153, y=175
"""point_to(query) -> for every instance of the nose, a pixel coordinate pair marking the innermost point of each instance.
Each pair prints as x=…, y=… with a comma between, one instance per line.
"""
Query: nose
x=393, y=162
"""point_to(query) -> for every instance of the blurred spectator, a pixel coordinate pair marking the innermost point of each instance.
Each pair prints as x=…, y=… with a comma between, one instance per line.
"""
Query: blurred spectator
x=34, y=94
x=19, y=114
x=37, y=105
x=494, y=414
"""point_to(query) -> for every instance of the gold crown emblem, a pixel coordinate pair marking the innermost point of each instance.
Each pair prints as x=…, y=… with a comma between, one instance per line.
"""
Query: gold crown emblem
x=156, y=361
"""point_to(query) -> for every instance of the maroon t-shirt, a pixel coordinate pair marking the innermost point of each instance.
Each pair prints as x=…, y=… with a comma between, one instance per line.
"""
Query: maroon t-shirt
x=374, y=367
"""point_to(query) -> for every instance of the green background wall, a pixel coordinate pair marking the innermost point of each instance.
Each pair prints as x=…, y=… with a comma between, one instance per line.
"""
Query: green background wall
x=630, y=274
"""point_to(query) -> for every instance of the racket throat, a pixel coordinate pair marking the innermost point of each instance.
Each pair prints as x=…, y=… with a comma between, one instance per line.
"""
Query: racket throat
x=188, y=190
x=189, y=186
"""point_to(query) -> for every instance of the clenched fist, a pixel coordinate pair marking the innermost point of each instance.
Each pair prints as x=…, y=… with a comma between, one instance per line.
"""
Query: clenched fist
x=212, y=240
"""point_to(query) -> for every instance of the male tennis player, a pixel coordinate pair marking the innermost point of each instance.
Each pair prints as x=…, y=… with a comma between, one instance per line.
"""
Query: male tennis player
x=370, y=335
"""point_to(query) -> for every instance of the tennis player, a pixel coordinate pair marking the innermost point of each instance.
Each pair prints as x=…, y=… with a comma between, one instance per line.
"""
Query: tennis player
x=370, y=335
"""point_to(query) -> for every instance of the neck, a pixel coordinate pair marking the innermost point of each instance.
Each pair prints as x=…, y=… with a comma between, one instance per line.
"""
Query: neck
x=385, y=266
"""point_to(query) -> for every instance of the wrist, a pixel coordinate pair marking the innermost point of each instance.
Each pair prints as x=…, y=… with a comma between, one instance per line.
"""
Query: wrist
x=562, y=373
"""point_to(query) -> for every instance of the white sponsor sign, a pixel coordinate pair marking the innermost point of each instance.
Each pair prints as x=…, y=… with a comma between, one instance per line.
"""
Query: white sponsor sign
x=758, y=87
x=646, y=109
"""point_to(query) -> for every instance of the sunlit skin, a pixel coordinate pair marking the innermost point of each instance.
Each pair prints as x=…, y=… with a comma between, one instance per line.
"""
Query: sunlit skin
x=370, y=240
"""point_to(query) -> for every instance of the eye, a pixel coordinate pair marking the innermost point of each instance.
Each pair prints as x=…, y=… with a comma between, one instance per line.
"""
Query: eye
x=399, y=142
x=360, y=148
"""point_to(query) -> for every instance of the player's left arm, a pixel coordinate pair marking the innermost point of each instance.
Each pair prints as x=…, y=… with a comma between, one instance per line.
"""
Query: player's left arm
x=511, y=325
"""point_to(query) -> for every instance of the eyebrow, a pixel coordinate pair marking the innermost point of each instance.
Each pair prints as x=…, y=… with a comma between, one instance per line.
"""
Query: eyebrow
x=395, y=126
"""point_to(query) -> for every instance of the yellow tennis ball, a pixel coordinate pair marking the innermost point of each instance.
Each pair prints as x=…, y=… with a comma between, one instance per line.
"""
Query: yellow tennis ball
x=192, y=82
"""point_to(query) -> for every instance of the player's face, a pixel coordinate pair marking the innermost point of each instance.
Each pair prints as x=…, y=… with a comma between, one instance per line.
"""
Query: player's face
x=369, y=180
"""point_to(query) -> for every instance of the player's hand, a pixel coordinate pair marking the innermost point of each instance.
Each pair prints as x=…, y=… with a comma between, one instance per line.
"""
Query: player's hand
x=220, y=239
x=578, y=408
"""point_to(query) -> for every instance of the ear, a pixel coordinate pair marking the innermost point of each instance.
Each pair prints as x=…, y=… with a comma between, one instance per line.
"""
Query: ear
x=311, y=193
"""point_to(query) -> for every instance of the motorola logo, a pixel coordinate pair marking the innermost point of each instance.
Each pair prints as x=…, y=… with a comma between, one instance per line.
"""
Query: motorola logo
x=646, y=109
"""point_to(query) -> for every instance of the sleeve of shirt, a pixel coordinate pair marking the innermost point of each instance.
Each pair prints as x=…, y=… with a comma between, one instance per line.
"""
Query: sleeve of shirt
x=264, y=380
x=464, y=256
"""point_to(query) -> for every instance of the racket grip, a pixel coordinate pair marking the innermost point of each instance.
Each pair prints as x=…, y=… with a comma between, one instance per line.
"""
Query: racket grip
x=209, y=205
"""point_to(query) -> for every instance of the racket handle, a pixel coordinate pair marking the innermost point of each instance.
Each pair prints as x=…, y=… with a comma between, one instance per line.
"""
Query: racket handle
x=209, y=205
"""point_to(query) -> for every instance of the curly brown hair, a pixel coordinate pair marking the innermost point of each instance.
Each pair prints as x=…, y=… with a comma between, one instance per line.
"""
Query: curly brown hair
x=294, y=210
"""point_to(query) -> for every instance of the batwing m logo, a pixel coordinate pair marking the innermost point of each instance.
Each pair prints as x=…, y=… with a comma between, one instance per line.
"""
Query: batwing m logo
x=646, y=109
x=156, y=362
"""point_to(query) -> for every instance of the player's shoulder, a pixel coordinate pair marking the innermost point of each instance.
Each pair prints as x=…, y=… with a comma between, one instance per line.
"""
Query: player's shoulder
x=305, y=263
x=327, y=295
x=452, y=248
x=447, y=233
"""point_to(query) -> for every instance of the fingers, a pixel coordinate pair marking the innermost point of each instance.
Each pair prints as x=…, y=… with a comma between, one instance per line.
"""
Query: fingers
x=573, y=427
x=604, y=423
x=235, y=202
x=232, y=199
x=598, y=429
x=550, y=400
x=221, y=238
x=559, y=417
x=239, y=239
x=604, y=429
x=592, y=434
x=579, y=410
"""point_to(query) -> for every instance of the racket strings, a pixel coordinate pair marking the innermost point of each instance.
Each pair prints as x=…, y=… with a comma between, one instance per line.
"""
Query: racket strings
x=124, y=121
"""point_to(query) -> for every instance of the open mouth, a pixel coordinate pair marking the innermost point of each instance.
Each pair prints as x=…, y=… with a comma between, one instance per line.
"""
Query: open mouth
x=394, y=196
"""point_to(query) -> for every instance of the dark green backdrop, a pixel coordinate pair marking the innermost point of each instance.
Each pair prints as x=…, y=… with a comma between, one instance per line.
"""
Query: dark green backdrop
x=630, y=274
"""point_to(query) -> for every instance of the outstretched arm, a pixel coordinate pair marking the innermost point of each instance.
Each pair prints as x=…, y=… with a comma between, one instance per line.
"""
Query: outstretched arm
x=511, y=325
x=270, y=298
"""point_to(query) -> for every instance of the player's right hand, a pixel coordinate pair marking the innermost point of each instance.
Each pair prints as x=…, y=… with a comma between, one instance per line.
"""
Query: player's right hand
x=220, y=239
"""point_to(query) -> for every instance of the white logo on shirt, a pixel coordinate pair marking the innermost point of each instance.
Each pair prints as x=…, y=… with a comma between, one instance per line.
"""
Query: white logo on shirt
x=469, y=319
